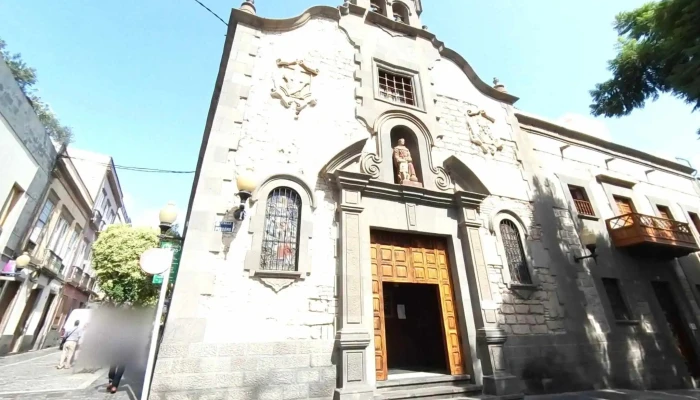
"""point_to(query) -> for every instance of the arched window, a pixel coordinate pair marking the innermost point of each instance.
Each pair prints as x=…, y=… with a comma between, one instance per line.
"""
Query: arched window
x=280, y=241
x=515, y=254
x=400, y=13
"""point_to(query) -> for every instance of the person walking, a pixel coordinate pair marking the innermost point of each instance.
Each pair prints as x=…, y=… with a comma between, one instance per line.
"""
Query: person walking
x=115, y=376
x=69, y=343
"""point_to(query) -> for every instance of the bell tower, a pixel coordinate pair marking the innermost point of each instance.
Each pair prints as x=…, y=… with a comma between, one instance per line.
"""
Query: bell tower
x=403, y=11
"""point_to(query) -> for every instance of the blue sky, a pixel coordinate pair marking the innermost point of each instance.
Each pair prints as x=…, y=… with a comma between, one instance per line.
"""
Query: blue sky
x=134, y=78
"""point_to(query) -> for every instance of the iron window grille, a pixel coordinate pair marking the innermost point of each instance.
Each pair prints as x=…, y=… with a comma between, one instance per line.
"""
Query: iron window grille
x=512, y=243
x=396, y=88
x=281, y=237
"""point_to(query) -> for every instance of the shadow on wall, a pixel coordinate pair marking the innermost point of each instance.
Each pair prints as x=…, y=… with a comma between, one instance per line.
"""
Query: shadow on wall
x=594, y=352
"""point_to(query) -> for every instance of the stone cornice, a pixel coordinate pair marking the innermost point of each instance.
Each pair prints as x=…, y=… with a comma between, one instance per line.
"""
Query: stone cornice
x=543, y=127
x=356, y=181
x=287, y=24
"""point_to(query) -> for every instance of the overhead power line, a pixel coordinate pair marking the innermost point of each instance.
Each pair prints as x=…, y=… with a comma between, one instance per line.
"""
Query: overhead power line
x=130, y=168
x=212, y=12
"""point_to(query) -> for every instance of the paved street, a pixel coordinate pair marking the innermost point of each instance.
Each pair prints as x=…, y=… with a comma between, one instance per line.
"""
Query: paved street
x=622, y=394
x=34, y=376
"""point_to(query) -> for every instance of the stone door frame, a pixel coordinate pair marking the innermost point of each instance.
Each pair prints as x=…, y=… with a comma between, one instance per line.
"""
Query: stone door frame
x=363, y=204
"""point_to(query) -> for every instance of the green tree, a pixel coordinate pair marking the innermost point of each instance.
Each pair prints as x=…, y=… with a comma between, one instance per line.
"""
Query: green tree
x=25, y=77
x=658, y=52
x=115, y=257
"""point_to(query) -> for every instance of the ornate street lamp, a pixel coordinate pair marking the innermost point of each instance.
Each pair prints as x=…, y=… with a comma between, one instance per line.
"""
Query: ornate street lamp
x=168, y=216
x=246, y=186
x=23, y=260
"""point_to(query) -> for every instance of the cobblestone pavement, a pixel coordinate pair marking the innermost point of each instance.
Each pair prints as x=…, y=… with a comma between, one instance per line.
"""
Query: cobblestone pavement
x=33, y=376
x=621, y=394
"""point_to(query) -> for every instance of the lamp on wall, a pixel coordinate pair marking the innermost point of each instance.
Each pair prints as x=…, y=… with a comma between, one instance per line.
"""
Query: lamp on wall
x=23, y=260
x=167, y=216
x=246, y=185
x=588, y=239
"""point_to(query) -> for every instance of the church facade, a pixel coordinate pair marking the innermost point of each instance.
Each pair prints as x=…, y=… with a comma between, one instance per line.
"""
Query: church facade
x=413, y=234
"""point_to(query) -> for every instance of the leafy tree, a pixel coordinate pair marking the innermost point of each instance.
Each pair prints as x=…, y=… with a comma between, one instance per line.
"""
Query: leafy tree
x=174, y=231
x=659, y=52
x=115, y=257
x=25, y=77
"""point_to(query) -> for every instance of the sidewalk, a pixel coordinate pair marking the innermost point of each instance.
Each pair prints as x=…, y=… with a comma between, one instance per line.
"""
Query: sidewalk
x=623, y=394
x=33, y=376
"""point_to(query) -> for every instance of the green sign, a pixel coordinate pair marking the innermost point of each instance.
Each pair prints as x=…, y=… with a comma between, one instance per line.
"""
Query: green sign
x=157, y=279
x=176, y=247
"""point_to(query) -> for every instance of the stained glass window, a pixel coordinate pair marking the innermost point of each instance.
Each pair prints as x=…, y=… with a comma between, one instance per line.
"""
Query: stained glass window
x=281, y=239
x=515, y=253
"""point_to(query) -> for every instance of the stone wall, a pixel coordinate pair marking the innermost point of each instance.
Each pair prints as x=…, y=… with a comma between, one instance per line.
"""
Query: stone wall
x=230, y=334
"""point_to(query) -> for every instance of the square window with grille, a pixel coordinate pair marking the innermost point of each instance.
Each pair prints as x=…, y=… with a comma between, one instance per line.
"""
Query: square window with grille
x=281, y=239
x=581, y=201
x=396, y=88
x=617, y=301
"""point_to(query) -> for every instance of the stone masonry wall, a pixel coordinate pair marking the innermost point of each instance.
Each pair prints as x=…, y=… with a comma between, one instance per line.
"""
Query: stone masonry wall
x=231, y=336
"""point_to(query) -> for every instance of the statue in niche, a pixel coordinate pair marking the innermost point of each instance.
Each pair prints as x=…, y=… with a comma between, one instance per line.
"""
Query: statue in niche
x=405, y=171
x=480, y=132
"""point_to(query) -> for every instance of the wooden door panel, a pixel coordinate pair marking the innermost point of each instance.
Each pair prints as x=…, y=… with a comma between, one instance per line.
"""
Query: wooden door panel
x=380, y=361
x=413, y=259
x=453, y=346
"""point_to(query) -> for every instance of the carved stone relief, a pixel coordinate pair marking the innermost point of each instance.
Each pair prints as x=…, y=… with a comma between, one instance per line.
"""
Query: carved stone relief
x=479, y=124
x=292, y=84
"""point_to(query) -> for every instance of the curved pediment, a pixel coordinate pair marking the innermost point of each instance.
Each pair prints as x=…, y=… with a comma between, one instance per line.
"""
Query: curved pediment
x=463, y=177
x=345, y=159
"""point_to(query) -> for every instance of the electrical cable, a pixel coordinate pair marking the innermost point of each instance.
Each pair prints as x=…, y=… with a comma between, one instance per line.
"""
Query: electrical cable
x=213, y=13
x=131, y=168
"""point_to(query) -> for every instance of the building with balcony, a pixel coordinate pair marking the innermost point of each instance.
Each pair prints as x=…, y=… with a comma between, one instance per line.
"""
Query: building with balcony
x=413, y=234
x=29, y=156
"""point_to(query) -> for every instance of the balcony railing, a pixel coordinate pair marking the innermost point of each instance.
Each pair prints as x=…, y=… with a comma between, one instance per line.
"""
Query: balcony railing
x=584, y=207
x=652, y=235
x=53, y=262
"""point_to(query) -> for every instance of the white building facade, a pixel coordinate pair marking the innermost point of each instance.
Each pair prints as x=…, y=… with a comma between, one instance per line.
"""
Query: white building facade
x=413, y=234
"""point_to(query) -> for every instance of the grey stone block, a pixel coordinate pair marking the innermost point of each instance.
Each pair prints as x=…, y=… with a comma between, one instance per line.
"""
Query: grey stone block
x=537, y=309
x=228, y=380
x=282, y=377
x=522, y=309
x=521, y=329
x=285, y=348
x=244, y=363
x=522, y=319
x=328, y=373
x=259, y=349
x=308, y=375
x=290, y=392
x=198, y=350
x=169, y=350
x=186, y=366
x=255, y=378
x=231, y=349
x=283, y=362
x=185, y=330
x=215, y=364
x=163, y=366
x=539, y=329
x=322, y=389
x=270, y=393
x=321, y=360
x=181, y=382
x=507, y=309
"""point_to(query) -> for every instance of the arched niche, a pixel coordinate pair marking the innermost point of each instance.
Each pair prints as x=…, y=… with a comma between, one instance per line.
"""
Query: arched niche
x=411, y=142
x=380, y=165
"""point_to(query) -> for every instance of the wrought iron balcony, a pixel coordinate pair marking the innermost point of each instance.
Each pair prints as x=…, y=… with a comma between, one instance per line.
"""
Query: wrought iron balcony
x=652, y=236
x=53, y=263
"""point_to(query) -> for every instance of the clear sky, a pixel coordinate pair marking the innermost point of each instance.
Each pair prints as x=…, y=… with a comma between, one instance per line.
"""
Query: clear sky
x=134, y=78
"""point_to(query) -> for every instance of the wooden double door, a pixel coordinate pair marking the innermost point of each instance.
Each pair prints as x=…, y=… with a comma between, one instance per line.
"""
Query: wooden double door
x=413, y=259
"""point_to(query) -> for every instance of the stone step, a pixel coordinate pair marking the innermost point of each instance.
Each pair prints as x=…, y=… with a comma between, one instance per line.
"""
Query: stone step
x=432, y=392
x=423, y=382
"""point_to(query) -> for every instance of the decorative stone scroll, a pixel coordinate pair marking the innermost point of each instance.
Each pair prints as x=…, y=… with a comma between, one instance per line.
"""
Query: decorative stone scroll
x=292, y=84
x=480, y=133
